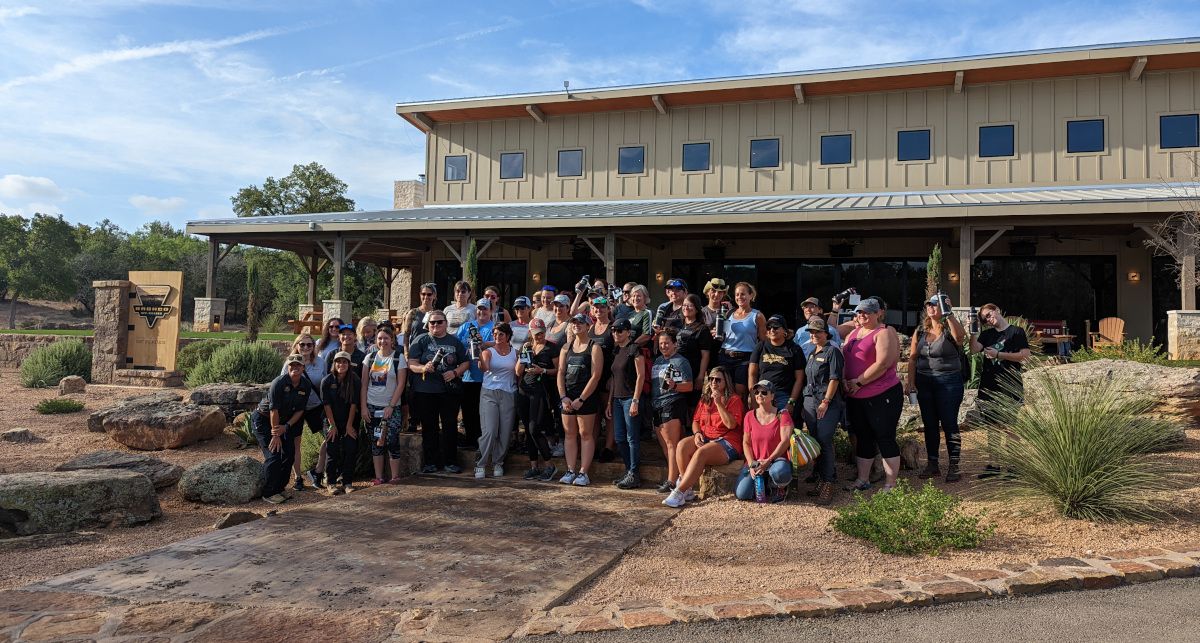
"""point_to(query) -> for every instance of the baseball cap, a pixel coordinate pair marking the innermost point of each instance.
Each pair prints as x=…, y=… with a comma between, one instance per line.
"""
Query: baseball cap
x=766, y=385
x=521, y=302
x=716, y=283
x=677, y=283
x=562, y=299
x=867, y=306
x=349, y=327
x=816, y=324
x=581, y=319
x=600, y=301
x=776, y=321
x=811, y=301
x=622, y=324
x=295, y=358
x=877, y=298
x=342, y=355
x=550, y=288
x=484, y=302
x=536, y=325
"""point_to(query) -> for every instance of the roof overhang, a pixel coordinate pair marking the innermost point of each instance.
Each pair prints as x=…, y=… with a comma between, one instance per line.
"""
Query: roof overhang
x=1133, y=58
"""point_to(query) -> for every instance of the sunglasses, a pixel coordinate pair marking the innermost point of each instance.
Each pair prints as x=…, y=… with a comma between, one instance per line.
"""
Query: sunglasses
x=626, y=292
x=426, y=294
x=436, y=322
x=306, y=344
x=761, y=393
x=716, y=379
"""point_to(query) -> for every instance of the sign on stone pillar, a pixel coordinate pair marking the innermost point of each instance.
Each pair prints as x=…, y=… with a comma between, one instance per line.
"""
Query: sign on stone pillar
x=154, y=299
x=110, y=339
x=209, y=316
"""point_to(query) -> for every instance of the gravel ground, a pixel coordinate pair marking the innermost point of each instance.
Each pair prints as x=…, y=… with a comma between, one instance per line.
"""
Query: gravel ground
x=731, y=547
x=66, y=436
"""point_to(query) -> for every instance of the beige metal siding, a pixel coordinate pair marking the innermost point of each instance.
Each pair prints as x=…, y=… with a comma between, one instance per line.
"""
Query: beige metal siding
x=1039, y=110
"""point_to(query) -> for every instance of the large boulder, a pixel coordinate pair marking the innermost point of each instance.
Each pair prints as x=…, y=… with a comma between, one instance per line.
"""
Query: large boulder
x=59, y=501
x=163, y=425
x=162, y=474
x=72, y=384
x=1177, y=389
x=232, y=398
x=228, y=481
x=96, y=420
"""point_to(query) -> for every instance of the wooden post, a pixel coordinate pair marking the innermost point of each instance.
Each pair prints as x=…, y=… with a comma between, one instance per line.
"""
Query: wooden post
x=610, y=258
x=339, y=265
x=1186, y=242
x=210, y=276
x=312, y=279
x=966, y=258
x=388, y=276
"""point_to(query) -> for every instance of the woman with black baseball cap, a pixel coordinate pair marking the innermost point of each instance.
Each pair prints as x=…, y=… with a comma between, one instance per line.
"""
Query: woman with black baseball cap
x=278, y=421
x=823, y=403
x=579, y=389
x=624, y=407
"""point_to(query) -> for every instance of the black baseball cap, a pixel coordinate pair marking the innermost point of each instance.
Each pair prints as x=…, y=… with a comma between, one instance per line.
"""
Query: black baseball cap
x=776, y=321
x=622, y=325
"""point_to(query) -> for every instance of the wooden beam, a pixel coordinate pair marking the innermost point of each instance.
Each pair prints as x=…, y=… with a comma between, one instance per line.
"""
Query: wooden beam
x=210, y=276
x=458, y=256
x=653, y=242
x=1136, y=69
x=958, y=85
x=799, y=89
x=659, y=104
x=339, y=266
x=966, y=258
x=1167, y=245
x=423, y=122
x=228, y=249
x=992, y=239
x=400, y=244
x=350, y=254
x=599, y=252
x=484, y=248
x=328, y=253
x=529, y=243
x=536, y=113
x=610, y=258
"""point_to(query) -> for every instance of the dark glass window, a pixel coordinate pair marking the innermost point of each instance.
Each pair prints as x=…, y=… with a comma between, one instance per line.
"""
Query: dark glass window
x=835, y=149
x=1181, y=130
x=764, y=152
x=509, y=275
x=913, y=145
x=456, y=168
x=512, y=165
x=1085, y=136
x=696, y=157
x=631, y=160
x=997, y=140
x=570, y=162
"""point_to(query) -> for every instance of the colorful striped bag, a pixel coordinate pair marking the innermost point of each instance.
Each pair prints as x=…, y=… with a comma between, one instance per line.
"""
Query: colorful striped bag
x=804, y=450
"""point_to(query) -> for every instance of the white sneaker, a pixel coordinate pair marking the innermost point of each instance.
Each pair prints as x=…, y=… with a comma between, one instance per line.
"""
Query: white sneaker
x=689, y=495
x=567, y=477
x=480, y=473
x=498, y=471
x=675, y=500
x=582, y=480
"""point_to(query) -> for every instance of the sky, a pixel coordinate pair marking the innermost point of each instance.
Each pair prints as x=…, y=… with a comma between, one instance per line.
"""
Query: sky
x=143, y=110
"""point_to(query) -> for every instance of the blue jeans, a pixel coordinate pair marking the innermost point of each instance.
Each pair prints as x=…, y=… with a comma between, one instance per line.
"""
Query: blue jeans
x=940, y=396
x=779, y=474
x=823, y=430
x=627, y=430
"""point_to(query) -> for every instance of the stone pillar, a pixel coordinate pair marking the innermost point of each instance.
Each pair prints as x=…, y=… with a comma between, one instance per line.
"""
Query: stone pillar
x=402, y=287
x=209, y=316
x=303, y=310
x=341, y=309
x=110, y=342
x=1183, y=334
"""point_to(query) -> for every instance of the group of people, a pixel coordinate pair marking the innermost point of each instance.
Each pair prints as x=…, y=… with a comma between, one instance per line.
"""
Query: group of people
x=713, y=378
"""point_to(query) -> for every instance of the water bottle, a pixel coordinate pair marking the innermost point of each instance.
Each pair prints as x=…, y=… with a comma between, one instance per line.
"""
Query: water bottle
x=475, y=341
x=943, y=303
x=722, y=323
x=760, y=489
x=973, y=321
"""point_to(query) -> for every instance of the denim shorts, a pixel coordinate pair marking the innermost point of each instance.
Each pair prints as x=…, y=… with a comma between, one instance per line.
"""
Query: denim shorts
x=729, y=450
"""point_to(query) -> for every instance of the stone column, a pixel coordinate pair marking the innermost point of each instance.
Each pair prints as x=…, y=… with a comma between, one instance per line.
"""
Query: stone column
x=209, y=316
x=1183, y=334
x=110, y=342
x=303, y=310
x=341, y=309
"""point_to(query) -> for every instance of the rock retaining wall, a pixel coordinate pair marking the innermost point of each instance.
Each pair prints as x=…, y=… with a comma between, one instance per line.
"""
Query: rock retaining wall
x=14, y=348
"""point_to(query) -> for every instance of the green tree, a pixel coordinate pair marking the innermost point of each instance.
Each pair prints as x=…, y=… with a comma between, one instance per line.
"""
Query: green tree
x=471, y=266
x=308, y=189
x=933, y=272
x=33, y=253
x=103, y=254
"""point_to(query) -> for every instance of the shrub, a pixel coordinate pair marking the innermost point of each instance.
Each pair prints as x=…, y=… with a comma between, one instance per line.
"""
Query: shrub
x=244, y=432
x=46, y=366
x=1132, y=350
x=238, y=362
x=190, y=356
x=58, y=405
x=904, y=521
x=1083, y=449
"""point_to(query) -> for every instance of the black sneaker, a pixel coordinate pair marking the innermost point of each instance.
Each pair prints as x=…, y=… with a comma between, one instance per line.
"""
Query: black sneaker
x=453, y=468
x=314, y=478
x=931, y=470
x=631, y=481
x=429, y=468
x=532, y=473
x=548, y=473
x=953, y=474
x=666, y=487
x=299, y=486
x=990, y=471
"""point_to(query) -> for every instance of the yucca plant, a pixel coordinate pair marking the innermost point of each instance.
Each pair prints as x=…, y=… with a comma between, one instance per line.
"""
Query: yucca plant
x=1082, y=448
x=244, y=432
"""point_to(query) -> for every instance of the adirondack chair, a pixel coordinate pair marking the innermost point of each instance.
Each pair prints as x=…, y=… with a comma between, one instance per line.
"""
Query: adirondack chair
x=1111, y=331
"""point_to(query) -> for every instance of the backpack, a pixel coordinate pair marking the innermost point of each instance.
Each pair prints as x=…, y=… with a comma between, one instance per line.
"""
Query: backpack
x=370, y=359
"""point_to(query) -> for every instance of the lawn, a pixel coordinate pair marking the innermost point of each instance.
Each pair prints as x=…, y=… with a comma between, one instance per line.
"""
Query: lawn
x=183, y=334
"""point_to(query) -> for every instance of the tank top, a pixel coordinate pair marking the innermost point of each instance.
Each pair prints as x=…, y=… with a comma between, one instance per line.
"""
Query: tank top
x=579, y=370
x=559, y=337
x=938, y=357
x=859, y=352
x=607, y=347
x=502, y=376
x=743, y=333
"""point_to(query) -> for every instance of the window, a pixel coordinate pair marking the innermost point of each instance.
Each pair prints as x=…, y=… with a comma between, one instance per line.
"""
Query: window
x=512, y=165
x=1085, y=136
x=631, y=160
x=835, y=149
x=1179, y=130
x=997, y=140
x=697, y=157
x=570, y=162
x=913, y=145
x=456, y=168
x=764, y=152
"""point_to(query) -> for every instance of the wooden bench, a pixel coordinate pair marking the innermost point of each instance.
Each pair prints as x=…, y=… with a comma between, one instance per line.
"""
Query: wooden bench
x=1111, y=332
x=309, y=320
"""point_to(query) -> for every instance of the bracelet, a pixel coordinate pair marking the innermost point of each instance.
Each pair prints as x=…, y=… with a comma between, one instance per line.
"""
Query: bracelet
x=824, y=402
x=792, y=401
x=634, y=401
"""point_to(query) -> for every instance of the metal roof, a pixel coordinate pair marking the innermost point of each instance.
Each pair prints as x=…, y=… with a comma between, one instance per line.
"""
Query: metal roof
x=593, y=213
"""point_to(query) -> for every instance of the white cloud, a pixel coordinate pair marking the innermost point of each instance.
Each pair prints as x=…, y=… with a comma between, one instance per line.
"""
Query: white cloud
x=15, y=186
x=12, y=13
x=215, y=212
x=153, y=206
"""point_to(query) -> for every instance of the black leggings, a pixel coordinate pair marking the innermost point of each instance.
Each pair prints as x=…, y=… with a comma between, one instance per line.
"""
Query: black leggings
x=472, y=427
x=874, y=421
x=534, y=411
x=438, y=413
x=343, y=459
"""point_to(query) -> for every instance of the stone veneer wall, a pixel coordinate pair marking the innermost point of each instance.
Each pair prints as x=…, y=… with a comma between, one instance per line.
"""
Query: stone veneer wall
x=14, y=348
x=1183, y=334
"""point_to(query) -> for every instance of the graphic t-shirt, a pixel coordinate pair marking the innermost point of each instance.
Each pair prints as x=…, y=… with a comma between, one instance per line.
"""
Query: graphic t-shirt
x=778, y=364
x=423, y=349
x=658, y=372
x=383, y=376
x=998, y=376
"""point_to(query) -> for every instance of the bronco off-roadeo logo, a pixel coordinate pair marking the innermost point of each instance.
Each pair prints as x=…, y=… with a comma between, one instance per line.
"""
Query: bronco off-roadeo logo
x=152, y=303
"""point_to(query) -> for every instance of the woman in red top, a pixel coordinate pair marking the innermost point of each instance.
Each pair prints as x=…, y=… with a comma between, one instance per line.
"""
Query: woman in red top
x=717, y=439
x=766, y=441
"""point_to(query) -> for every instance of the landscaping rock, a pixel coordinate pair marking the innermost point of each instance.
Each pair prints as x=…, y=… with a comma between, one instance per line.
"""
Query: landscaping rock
x=912, y=451
x=96, y=420
x=229, y=481
x=72, y=384
x=235, y=518
x=720, y=481
x=1178, y=389
x=161, y=474
x=18, y=435
x=59, y=501
x=163, y=425
x=232, y=398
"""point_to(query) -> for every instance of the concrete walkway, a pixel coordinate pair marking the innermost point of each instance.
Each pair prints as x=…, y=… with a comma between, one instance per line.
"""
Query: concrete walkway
x=436, y=558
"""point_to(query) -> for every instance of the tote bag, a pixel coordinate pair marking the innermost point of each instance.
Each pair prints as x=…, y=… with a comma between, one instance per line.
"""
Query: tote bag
x=804, y=449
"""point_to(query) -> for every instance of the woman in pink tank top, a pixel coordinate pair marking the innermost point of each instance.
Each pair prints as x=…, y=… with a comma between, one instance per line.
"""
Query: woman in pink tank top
x=874, y=394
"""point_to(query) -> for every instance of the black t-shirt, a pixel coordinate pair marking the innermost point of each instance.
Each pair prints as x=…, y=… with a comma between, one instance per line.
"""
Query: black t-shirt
x=423, y=349
x=672, y=317
x=356, y=362
x=1000, y=375
x=332, y=395
x=692, y=339
x=285, y=397
x=624, y=371
x=536, y=384
x=778, y=364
